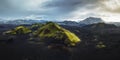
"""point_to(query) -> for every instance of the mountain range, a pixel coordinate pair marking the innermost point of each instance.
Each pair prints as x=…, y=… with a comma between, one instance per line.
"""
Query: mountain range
x=21, y=21
x=87, y=21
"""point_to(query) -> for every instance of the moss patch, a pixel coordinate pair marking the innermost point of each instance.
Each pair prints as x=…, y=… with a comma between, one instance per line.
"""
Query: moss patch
x=53, y=30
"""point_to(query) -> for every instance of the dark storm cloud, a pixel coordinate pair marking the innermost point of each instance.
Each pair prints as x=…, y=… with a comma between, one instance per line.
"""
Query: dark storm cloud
x=53, y=6
x=65, y=6
x=50, y=8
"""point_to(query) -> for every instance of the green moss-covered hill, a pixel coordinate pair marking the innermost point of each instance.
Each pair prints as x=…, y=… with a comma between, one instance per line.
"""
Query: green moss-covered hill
x=56, y=34
x=18, y=30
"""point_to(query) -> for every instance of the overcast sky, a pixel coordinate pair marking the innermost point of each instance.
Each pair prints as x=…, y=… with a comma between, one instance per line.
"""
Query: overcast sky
x=76, y=10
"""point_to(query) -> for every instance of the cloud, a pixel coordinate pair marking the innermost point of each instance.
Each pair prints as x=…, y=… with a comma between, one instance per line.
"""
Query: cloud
x=46, y=7
x=112, y=6
x=58, y=9
x=68, y=6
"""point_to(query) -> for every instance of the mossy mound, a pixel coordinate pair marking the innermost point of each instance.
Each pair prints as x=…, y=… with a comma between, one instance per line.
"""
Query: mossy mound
x=101, y=45
x=18, y=30
x=56, y=34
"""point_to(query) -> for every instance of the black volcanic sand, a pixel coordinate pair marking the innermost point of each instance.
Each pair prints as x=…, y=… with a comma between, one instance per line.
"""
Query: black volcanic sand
x=21, y=49
x=37, y=52
x=32, y=52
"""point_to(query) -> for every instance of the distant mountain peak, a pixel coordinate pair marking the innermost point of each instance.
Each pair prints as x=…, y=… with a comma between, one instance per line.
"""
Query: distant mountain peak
x=89, y=18
x=92, y=20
